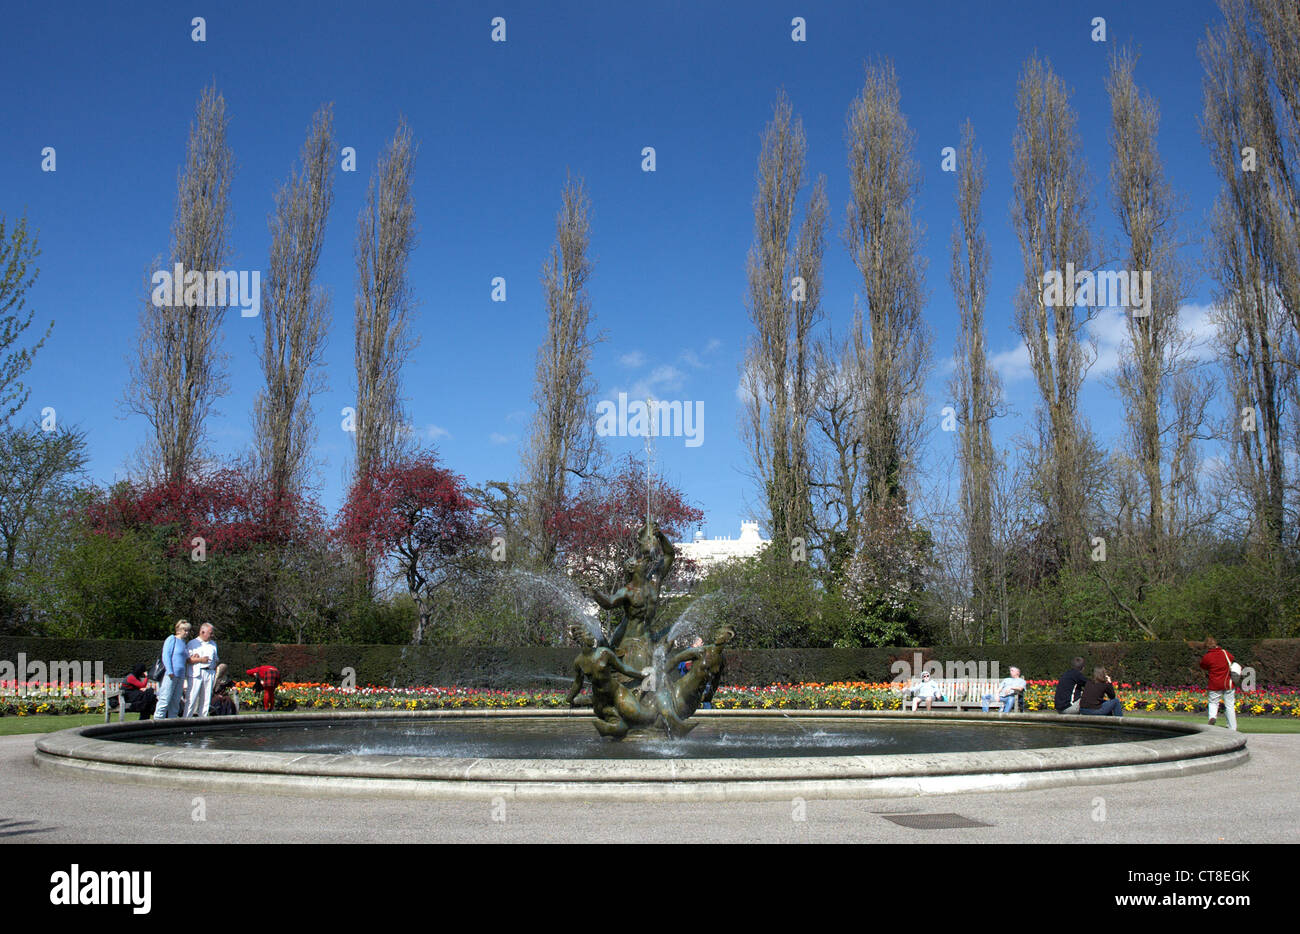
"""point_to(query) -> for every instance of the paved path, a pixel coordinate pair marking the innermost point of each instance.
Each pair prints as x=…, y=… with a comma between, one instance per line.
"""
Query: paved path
x=1257, y=802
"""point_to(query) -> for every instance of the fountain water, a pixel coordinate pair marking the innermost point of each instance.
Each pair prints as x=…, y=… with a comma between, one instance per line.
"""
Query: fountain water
x=692, y=620
x=580, y=609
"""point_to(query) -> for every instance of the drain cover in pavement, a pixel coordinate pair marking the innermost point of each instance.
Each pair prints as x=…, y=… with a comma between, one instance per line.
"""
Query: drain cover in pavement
x=933, y=821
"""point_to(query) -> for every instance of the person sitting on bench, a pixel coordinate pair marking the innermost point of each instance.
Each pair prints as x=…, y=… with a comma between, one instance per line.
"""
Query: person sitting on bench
x=139, y=697
x=1008, y=690
x=225, y=702
x=927, y=690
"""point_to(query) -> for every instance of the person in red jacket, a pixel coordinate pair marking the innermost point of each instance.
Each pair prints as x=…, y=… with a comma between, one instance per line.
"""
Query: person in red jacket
x=266, y=678
x=1217, y=663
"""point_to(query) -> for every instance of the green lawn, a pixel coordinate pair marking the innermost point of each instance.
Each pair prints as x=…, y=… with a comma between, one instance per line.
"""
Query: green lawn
x=9, y=726
x=1244, y=724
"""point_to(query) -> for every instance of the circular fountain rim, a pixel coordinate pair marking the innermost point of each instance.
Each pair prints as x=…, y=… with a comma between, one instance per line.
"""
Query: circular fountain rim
x=1189, y=748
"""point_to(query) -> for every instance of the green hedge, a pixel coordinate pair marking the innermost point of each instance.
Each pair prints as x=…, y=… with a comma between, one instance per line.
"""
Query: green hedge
x=1276, y=661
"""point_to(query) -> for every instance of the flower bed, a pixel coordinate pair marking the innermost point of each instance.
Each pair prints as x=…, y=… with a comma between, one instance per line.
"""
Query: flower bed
x=857, y=695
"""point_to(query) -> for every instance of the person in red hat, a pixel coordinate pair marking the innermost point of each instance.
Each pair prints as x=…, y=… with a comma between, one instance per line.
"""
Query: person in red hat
x=1217, y=663
x=266, y=678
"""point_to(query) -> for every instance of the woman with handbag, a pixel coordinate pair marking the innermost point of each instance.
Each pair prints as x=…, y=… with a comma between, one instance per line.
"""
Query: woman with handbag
x=1224, y=674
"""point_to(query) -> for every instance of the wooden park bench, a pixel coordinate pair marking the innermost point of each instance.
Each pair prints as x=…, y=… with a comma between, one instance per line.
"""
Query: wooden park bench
x=958, y=694
x=114, y=699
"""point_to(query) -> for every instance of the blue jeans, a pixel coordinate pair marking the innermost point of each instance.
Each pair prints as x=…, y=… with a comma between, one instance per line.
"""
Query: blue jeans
x=1111, y=708
x=1008, y=702
x=169, y=697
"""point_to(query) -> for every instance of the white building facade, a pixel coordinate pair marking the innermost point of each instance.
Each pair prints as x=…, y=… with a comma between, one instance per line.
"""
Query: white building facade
x=709, y=553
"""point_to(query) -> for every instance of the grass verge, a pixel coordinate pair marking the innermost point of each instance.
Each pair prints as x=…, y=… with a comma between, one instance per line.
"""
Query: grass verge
x=1244, y=724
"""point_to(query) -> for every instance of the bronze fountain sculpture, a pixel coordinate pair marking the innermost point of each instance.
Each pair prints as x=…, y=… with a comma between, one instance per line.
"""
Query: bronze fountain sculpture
x=629, y=671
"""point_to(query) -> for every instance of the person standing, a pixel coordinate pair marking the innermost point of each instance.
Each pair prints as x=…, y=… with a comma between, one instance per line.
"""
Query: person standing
x=1099, y=699
x=203, y=665
x=1217, y=663
x=175, y=655
x=1070, y=687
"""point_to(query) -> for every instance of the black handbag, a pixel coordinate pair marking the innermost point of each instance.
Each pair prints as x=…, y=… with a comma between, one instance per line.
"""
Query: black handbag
x=157, y=671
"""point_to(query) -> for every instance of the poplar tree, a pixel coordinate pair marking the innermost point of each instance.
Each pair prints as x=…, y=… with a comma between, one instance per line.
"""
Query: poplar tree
x=179, y=371
x=976, y=387
x=563, y=439
x=785, y=285
x=295, y=314
x=1051, y=214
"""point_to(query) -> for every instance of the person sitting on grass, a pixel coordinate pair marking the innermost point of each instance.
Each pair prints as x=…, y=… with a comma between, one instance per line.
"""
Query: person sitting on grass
x=1069, y=689
x=927, y=690
x=1099, y=698
x=1008, y=691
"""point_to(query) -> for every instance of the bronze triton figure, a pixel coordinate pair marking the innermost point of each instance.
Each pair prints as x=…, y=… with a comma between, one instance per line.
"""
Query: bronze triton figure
x=635, y=651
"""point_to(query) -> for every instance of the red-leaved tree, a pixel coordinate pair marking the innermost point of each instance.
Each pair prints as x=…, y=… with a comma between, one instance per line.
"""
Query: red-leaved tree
x=225, y=511
x=416, y=514
x=218, y=547
x=596, y=529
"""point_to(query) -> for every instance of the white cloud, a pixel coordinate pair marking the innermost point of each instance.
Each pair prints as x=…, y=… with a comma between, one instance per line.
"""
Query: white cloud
x=693, y=359
x=1110, y=330
x=632, y=360
x=1198, y=322
x=1012, y=364
x=429, y=432
x=662, y=379
x=497, y=438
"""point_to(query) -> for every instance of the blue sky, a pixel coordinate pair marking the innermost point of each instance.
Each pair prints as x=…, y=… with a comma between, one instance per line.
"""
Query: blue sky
x=579, y=87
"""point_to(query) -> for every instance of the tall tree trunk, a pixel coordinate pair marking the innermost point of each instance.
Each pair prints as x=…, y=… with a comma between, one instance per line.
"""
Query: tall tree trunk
x=563, y=439
x=385, y=241
x=885, y=243
x=976, y=387
x=181, y=369
x=295, y=315
x=785, y=282
x=1051, y=214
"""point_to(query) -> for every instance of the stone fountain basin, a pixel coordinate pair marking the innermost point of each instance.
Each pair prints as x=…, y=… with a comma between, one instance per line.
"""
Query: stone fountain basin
x=154, y=752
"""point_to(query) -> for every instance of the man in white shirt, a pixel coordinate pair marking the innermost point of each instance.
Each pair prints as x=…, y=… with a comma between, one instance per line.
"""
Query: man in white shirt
x=203, y=664
x=1008, y=690
x=926, y=691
